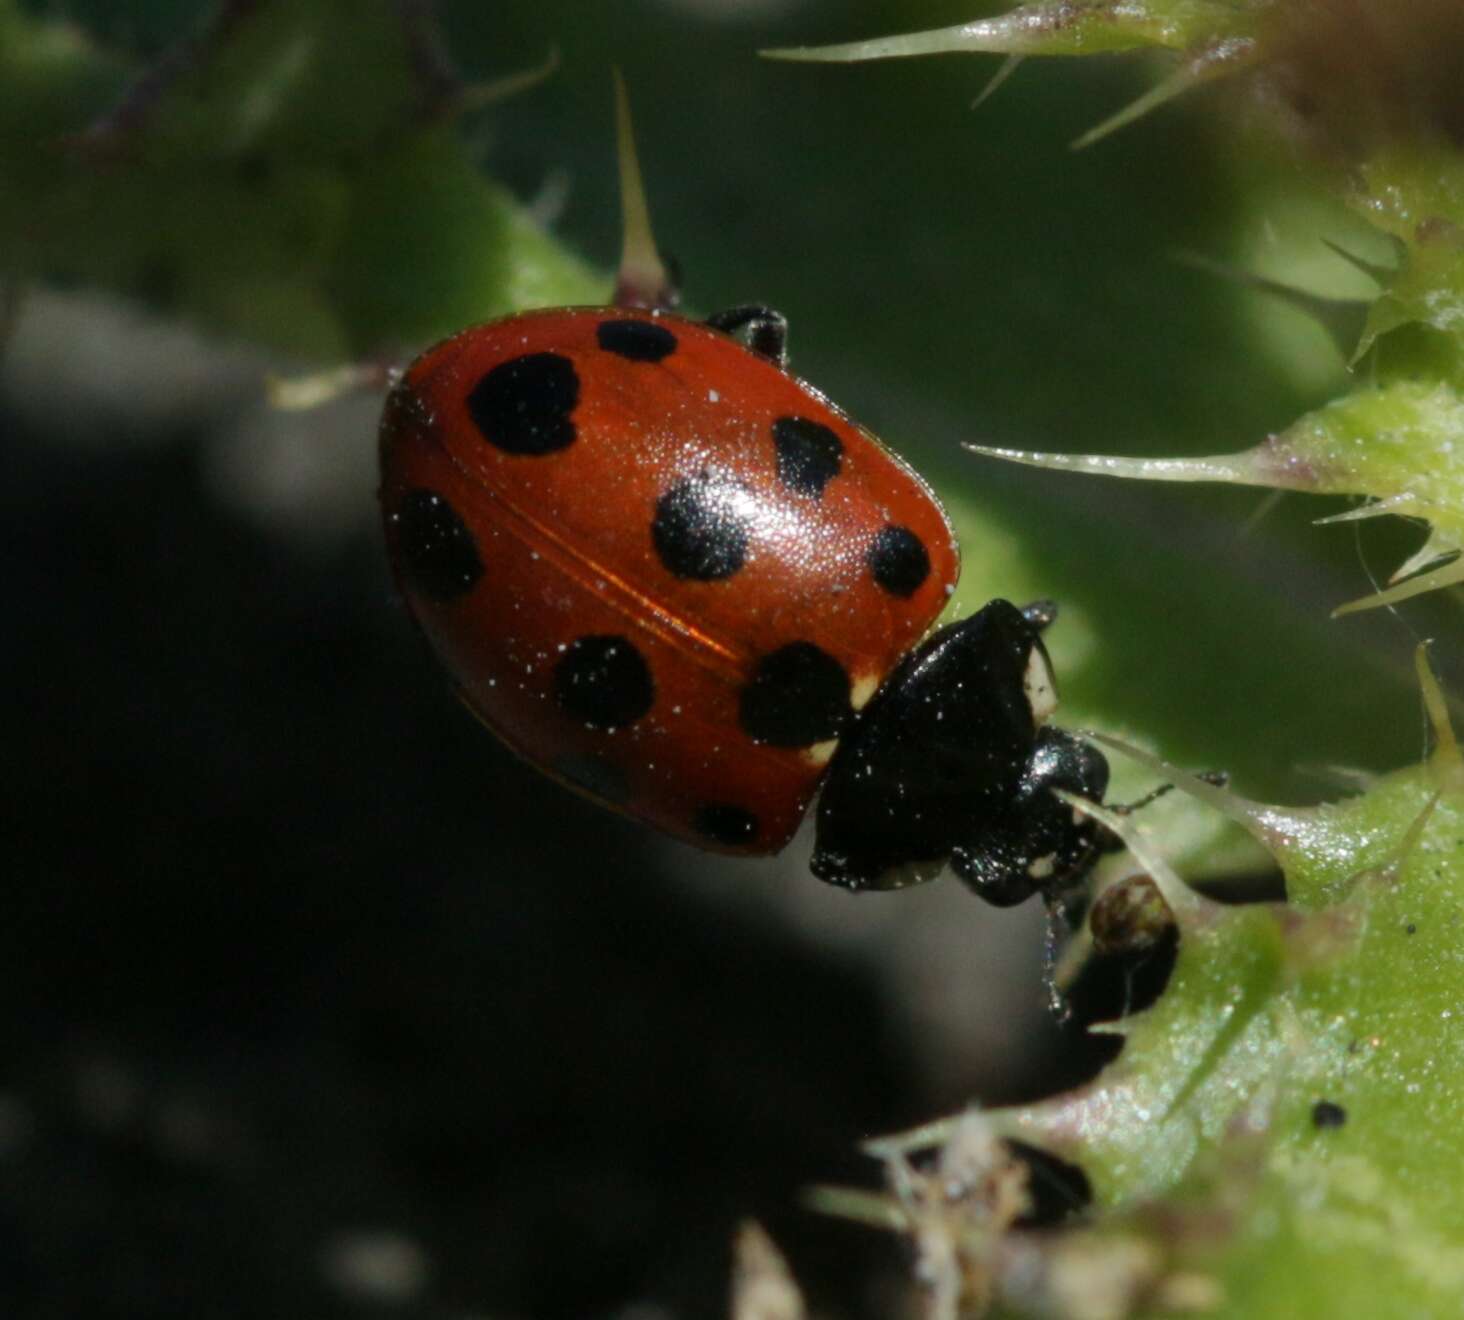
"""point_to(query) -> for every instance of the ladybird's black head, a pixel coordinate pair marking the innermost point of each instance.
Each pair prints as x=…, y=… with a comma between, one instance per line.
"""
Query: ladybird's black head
x=952, y=761
x=1040, y=843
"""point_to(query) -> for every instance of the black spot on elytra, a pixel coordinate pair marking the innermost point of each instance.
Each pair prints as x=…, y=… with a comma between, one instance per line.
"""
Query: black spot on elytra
x=798, y=696
x=898, y=560
x=809, y=454
x=701, y=527
x=438, y=556
x=639, y=341
x=523, y=406
x=604, y=682
x=1328, y=1114
x=724, y=823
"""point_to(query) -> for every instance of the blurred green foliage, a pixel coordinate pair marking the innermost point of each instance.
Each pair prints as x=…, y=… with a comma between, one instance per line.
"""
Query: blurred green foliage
x=310, y=177
x=951, y=275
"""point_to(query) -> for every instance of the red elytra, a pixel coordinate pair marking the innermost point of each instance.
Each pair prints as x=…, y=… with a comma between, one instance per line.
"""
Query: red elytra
x=658, y=566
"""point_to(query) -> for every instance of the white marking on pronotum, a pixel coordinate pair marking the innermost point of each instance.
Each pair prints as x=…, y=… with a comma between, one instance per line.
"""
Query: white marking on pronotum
x=1039, y=685
x=863, y=687
x=1042, y=867
x=820, y=753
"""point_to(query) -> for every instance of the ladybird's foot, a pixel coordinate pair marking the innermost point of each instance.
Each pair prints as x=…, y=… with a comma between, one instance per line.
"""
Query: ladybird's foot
x=762, y=329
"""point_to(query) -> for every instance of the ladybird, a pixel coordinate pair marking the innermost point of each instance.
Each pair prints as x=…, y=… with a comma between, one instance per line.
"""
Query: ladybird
x=678, y=579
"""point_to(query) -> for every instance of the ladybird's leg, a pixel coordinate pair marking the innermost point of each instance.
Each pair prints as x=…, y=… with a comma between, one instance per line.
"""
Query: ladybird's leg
x=1128, y=808
x=762, y=329
x=1219, y=778
x=1040, y=613
x=1063, y=913
x=1110, y=843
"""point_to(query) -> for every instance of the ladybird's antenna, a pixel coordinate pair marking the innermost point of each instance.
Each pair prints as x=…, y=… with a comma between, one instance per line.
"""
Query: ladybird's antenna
x=643, y=280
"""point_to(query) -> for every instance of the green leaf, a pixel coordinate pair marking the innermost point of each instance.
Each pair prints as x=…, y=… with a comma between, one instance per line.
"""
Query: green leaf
x=1213, y=1144
x=1281, y=1122
x=1058, y=27
x=290, y=175
x=295, y=180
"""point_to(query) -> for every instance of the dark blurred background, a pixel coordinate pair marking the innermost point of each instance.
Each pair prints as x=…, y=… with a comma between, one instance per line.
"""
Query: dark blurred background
x=316, y=1002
